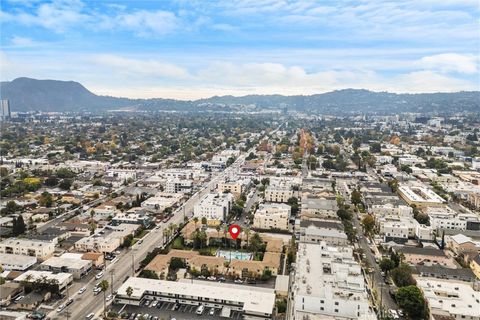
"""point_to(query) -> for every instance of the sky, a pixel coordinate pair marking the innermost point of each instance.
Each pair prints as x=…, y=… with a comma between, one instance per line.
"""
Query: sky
x=189, y=49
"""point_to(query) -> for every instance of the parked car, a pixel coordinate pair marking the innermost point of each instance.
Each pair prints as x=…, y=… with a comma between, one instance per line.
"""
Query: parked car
x=60, y=308
x=90, y=316
x=211, y=312
x=176, y=306
x=69, y=302
x=96, y=290
x=109, y=297
x=99, y=275
x=82, y=290
x=239, y=281
x=154, y=304
x=212, y=278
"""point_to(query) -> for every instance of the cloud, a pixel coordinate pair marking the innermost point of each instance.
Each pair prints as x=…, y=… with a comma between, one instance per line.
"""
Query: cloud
x=145, y=22
x=140, y=67
x=451, y=62
x=18, y=41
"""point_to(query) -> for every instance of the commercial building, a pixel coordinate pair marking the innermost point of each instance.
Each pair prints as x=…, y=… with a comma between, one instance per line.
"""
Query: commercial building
x=5, y=112
x=35, y=248
x=68, y=264
x=328, y=283
x=106, y=242
x=446, y=218
x=177, y=185
x=62, y=279
x=272, y=216
x=214, y=206
x=139, y=218
x=252, y=302
x=448, y=298
x=16, y=262
x=161, y=201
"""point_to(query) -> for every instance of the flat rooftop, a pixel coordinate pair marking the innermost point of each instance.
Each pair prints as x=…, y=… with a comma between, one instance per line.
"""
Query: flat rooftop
x=254, y=299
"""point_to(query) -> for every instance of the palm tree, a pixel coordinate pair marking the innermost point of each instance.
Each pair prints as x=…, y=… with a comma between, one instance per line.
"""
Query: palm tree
x=204, y=221
x=104, y=287
x=247, y=234
x=218, y=230
x=225, y=230
x=129, y=292
x=196, y=221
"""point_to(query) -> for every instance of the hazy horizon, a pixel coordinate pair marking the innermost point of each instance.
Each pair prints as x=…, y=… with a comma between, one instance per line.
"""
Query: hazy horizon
x=188, y=50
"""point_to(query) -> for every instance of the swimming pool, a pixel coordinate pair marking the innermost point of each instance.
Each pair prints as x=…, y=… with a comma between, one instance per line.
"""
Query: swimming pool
x=235, y=255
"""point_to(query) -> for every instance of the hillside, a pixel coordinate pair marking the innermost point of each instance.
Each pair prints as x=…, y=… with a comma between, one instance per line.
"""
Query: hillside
x=27, y=94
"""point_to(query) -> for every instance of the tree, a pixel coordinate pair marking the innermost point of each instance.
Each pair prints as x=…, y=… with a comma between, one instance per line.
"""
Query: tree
x=204, y=221
x=18, y=226
x=104, y=287
x=386, y=265
x=46, y=199
x=402, y=275
x=195, y=219
x=255, y=243
x=356, y=197
x=149, y=274
x=411, y=300
x=375, y=147
x=65, y=184
x=368, y=222
x=129, y=291
x=246, y=231
x=176, y=263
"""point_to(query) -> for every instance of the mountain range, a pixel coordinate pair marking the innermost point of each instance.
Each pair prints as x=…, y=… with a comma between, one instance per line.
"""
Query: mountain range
x=26, y=94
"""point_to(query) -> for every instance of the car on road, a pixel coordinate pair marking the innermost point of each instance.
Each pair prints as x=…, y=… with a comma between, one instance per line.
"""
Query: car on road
x=82, y=290
x=60, y=308
x=109, y=297
x=96, y=290
x=90, y=316
x=99, y=275
x=69, y=302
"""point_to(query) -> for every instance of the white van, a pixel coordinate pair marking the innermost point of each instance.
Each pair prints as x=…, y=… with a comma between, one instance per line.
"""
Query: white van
x=200, y=310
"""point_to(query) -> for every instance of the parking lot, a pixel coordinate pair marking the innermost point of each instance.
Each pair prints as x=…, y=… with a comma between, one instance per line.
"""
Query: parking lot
x=165, y=310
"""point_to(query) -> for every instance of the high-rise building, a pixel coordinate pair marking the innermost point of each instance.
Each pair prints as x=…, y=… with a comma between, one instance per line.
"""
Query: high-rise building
x=5, y=109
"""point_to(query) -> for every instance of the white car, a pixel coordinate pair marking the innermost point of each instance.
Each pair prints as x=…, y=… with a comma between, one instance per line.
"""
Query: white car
x=82, y=290
x=60, y=308
x=99, y=275
x=109, y=297
x=96, y=290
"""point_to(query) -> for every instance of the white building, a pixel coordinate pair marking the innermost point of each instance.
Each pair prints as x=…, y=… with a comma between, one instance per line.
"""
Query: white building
x=251, y=302
x=328, y=282
x=446, y=218
x=316, y=231
x=16, y=262
x=109, y=241
x=420, y=196
x=214, y=206
x=272, y=216
x=68, y=264
x=63, y=279
x=161, y=201
x=450, y=298
x=177, y=185
x=26, y=247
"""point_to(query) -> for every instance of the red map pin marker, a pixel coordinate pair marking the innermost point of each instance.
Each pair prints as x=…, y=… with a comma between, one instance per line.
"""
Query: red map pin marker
x=234, y=231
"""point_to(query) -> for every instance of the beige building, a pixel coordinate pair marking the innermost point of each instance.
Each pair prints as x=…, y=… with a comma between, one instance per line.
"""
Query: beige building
x=42, y=250
x=234, y=187
x=278, y=194
x=425, y=256
x=272, y=216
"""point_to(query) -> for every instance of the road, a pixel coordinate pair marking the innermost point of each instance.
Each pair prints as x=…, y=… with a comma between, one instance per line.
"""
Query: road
x=128, y=260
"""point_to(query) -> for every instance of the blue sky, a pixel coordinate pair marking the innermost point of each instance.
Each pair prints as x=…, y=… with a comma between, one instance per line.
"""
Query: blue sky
x=189, y=49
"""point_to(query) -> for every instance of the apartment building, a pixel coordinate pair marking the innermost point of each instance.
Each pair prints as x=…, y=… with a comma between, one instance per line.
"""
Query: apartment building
x=235, y=187
x=316, y=231
x=42, y=250
x=448, y=298
x=319, y=207
x=328, y=283
x=107, y=240
x=214, y=206
x=278, y=194
x=272, y=216
x=16, y=262
x=420, y=196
